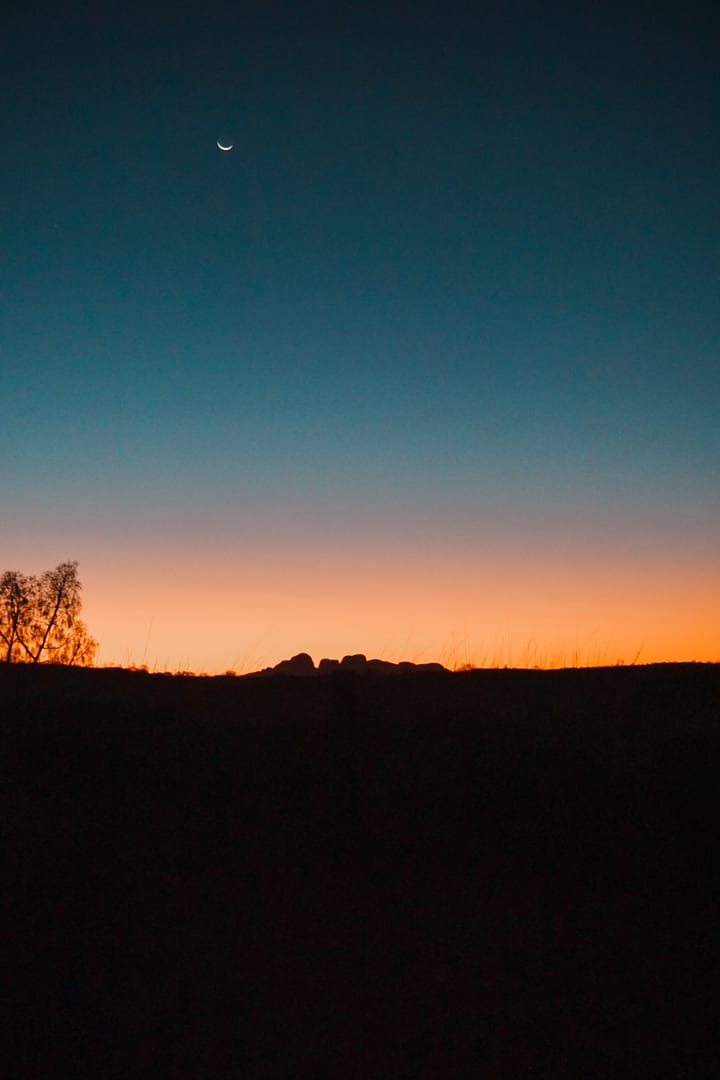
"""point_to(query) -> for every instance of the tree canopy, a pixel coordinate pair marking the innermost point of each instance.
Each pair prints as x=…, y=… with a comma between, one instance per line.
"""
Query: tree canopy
x=39, y=618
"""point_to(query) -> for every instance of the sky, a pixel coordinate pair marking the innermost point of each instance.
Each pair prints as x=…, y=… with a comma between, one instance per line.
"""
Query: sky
x=427, y=367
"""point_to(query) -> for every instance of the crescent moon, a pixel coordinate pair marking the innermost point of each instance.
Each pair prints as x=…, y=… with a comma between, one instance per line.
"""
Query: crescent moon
x=225, y=148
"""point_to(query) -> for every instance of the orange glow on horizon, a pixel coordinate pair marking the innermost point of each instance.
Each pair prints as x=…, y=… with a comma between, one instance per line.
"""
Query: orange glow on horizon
x=561, y=611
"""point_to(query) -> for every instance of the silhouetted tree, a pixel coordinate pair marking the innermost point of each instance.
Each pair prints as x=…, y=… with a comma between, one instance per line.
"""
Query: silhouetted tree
x=39, y=618
x=15, y=603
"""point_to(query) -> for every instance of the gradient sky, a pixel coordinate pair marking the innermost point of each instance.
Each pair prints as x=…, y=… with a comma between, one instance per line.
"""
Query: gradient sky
x=427, y=367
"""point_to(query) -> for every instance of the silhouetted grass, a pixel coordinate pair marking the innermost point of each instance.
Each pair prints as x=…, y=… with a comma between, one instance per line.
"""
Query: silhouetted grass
x=492, y=873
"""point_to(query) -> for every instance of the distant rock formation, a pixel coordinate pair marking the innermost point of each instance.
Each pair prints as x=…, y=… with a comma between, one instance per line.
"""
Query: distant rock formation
x=326, y=667
x=357, y=663
x=302, y=665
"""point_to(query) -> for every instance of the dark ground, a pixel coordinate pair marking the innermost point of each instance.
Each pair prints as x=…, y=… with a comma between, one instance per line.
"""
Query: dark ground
x=498, y=873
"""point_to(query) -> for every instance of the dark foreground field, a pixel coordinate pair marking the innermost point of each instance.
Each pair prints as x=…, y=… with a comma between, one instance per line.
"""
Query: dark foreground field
x=498, y=873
